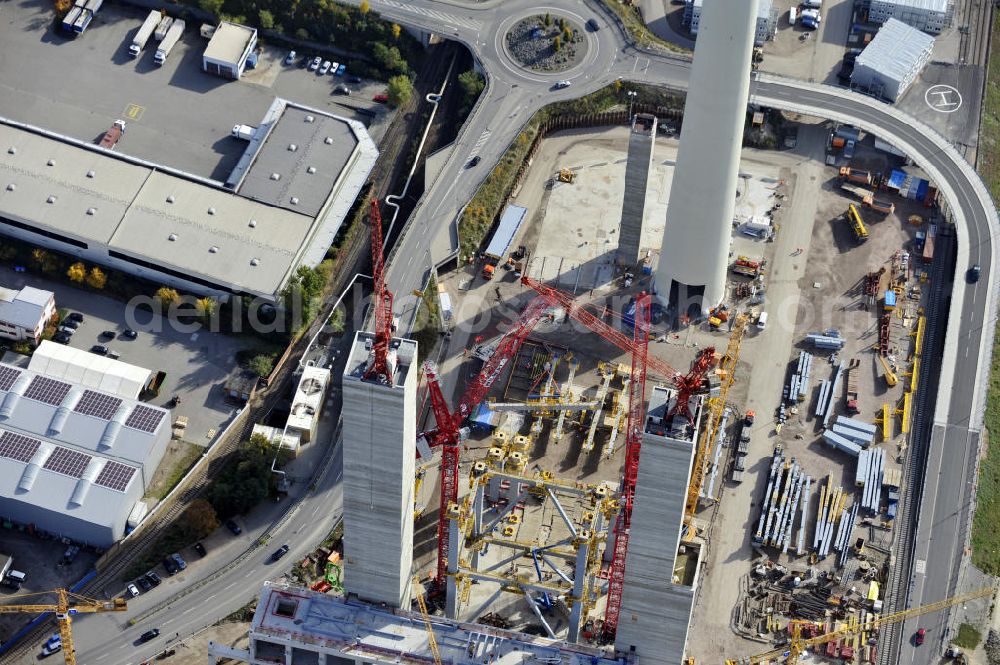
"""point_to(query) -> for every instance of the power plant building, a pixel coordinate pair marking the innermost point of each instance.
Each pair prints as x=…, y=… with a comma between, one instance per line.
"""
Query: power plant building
x=380, y=431
x=695, y=250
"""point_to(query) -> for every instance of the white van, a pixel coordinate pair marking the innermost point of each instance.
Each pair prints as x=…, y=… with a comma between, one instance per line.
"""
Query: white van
x=762, y=321
x=14, y=579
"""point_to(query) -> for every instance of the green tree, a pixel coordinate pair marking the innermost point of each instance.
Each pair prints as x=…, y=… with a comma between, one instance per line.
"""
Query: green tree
x=400, y=90
x=46, y=261
x=77, y=272
x=96, y=279
x=302, y=33
x=337, y=320
x=211, y=6
x=7, y=252
x=556, y=43
x=206, y=306
x=567, y=33
x=547, y=19
x=472, y=84
x=266, y=19
x=199, y=520
x=246, y=481
x=261, y=365
x=389, y=58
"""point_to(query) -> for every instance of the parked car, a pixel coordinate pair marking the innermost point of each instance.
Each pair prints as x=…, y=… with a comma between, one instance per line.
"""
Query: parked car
x=132, y=590
x=342, y=90
x=52, y=645
x=170, y=565
x=333, y=68
x=108, y=334
x=71, y=323
x=325, y=67
x=592, y=25
x=128, y=333
x=144, y=583
x=290, y=58
x=66, y=330
x=181, y=563
x=354, y=78
x=99, y=349
x=150, y=634
x=153, y=578
x=61, y=338
x=280, y=552
x=234, y=527
x=341, y=69
x=75, y=316
x=304, y=62
x=200, y=549
x=314, y=65
x=381, y=98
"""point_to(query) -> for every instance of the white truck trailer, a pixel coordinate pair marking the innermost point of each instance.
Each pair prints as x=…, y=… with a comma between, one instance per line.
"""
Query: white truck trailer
x=145, y=32
x=169, y=41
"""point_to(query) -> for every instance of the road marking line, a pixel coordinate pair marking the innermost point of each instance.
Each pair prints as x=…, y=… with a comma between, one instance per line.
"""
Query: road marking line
x=122, y=647
x=248, y=574
x=190, y=609
x=229, y=587
x=210, y=597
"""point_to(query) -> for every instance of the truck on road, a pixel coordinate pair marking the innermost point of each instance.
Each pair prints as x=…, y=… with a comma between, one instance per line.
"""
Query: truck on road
x=111, y=137
x=145, y=31
x=169, y=41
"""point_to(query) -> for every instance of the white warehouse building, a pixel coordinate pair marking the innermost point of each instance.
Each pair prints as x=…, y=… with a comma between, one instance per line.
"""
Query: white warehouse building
x=892, y=60
x=767, y=20
x=931, y=16
x=74, y=461
x=227, y=52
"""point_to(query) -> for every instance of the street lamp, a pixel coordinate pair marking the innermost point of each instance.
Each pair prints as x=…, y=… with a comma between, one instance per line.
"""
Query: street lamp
x=631, y=99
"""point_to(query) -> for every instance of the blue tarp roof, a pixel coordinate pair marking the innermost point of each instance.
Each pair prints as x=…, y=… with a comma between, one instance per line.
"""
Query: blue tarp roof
x=484, y=417
x=922, y=190
x=896, y=179
x=890, y=299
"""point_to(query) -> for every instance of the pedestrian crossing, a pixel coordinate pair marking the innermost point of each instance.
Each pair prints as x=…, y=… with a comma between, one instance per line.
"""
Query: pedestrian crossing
x=432, y=14
x=482, y=141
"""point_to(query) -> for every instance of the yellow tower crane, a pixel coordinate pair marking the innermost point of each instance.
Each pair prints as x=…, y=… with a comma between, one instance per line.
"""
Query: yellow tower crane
x=716, y=406
x=418, y=589
x=66, y=605
x=798, y=644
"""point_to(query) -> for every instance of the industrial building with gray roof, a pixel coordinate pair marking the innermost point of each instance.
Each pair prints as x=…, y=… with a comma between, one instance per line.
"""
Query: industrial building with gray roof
x=74, y=461
x=892, y=60
x=202, y=236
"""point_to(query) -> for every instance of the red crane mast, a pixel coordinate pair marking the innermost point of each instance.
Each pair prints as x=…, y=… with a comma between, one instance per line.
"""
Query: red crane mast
x=633, y=443
x=382, y=297
x=446, y=432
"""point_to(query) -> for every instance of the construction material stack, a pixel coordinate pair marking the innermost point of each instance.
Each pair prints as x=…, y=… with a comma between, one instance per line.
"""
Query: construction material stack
x=830, y=339
x=869, y=477
x=850, y=436
x=831, y=510
x=798, y=385
x=787, y=488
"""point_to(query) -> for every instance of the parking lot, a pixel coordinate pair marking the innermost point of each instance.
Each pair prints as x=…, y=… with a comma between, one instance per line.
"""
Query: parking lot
x=176, y=115
x=196, y=363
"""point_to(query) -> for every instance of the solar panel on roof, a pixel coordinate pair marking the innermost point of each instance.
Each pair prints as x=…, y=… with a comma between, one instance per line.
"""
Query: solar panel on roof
x=115, y=476
x=144, y=418
x=8, y=375
x=96, y=404
x=68, y=462
x=18, y=447
x=44, y=389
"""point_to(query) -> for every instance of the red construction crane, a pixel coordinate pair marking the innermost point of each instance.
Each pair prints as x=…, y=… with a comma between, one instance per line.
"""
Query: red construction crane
x=382, y=297
x=446, y=432
x=633, y=442
x=687, y=384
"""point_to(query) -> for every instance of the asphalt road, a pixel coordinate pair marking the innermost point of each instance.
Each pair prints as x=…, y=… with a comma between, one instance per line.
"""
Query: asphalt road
x=510, y=98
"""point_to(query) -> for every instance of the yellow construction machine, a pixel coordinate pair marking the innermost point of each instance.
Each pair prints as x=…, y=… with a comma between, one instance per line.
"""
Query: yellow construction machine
x=418, y=590
x=890, y=377
x=798, y=644
x=67, y=604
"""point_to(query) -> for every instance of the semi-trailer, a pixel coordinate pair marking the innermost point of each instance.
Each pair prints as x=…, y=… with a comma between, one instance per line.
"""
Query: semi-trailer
x=80, y=15
x=113, y=134
x=169, y=41
x=145, y=31
x=162, y=27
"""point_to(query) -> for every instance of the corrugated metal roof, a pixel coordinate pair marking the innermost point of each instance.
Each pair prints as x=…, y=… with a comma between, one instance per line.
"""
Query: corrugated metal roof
x=895, y=51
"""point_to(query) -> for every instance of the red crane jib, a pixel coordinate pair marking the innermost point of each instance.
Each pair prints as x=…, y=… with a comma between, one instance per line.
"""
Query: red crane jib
x=382, y=297
x=446, y=433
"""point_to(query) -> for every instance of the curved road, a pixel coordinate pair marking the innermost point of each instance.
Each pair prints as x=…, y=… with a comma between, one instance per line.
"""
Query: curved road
x=511, y=97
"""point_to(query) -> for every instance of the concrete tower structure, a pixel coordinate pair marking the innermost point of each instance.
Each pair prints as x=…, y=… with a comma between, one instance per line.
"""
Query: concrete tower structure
x=641, y=140
x=660, y=575
x=380, y=430
x=695, y=250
